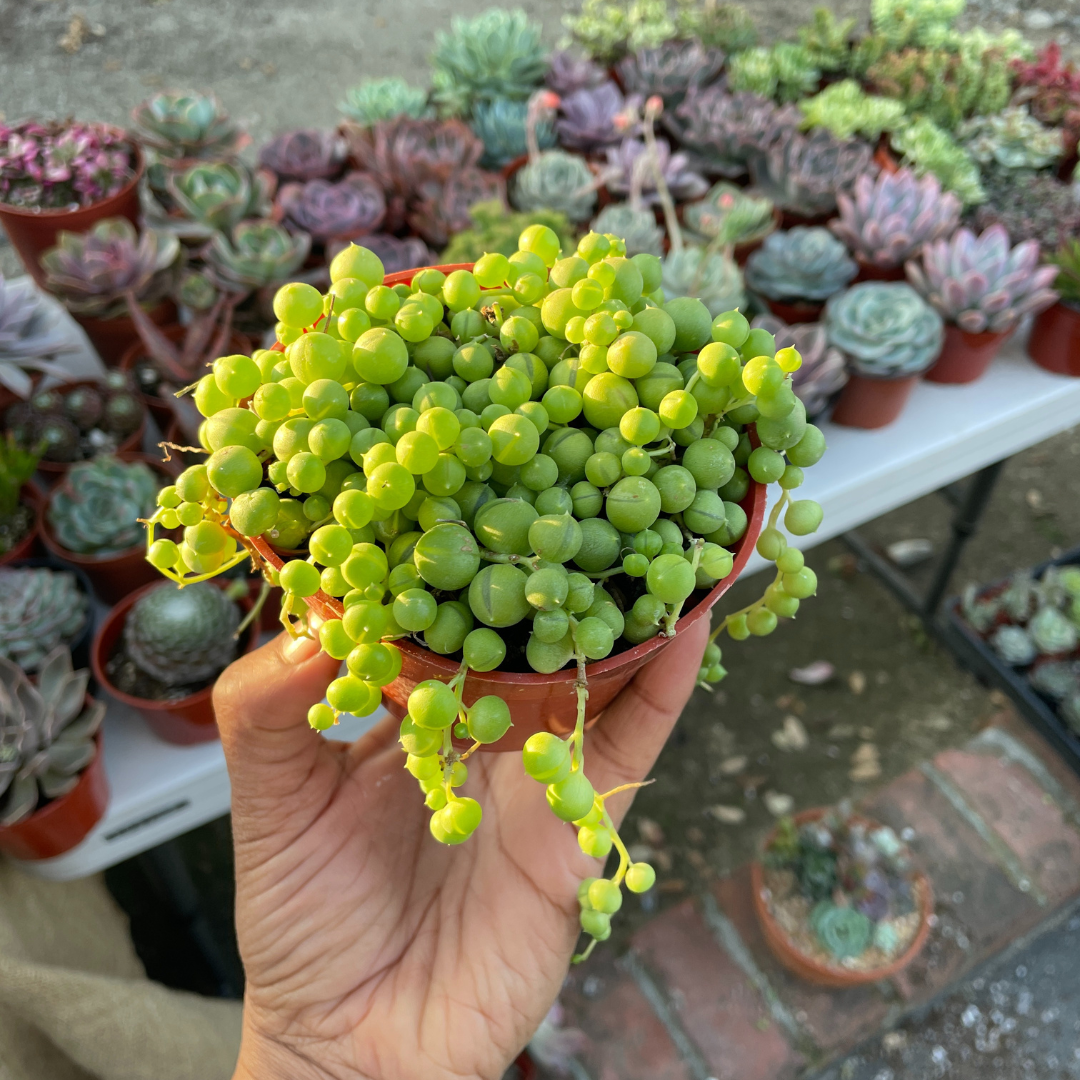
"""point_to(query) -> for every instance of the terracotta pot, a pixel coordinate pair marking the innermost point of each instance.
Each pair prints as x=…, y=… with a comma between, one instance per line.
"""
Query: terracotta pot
x=33, y=232
x=964, y=357
x=796, y=311
x=884, y=158
x=113, y=576
x=80, y=644
x=870, y=272
x=1054, y=343
x=61, y=824
x=183, y=721
x=113, y=337
x=872, y=403
x=833, y=975
x=30, y=544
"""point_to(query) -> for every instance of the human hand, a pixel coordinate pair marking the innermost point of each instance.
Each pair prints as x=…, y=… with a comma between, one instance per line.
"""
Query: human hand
x=372, y=951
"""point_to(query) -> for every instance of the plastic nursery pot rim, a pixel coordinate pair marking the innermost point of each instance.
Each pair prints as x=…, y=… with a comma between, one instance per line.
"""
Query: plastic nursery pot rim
x=1054, y=343
x=834, y=975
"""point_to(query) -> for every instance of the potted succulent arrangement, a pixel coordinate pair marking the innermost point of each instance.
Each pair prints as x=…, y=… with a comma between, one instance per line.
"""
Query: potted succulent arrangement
x=161, y=648
x=43, y=605
x=28, y=338
x=63, y=177
x=982, y=287
x=19, y=499
x=53, y=788
x=797, y=270
x=1054, y=343
x=521, y=506
x=838, y=899
x=91, y=520
x=890, y=336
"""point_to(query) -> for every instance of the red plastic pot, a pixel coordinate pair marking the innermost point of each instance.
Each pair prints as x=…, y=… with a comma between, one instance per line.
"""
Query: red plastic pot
x=872, y=403
x=113, y=576
x=813, y=970
x=64, y=822
x=33, y=231
x=183, y=721
x=113, y=337
x=869, y=272
x=1055, y=340
x=31, y=542
x=964, y=357
x=795, y=311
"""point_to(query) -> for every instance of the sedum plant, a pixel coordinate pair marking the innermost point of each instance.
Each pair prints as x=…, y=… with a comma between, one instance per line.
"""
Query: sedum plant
x=185, y=127
x=981, y=283
x=351, y=207
x=784, y=71
x=555, y=180
x=47, y=734
x=528, y=522
x=607, y=29
x=845, y=109
x=374, y=100
x=827, y=40
x=494, y=228
x=926, y=148
x=885, y=328
x=1012, y=139
x=304, y=155
x=28, y=337
x=590, y=118
x=670, y=70
x=40, y=609
x=213, y=197
x=97, y=507
x=823, y=372
x=886, y=220
x=729, y=215
x=636, y=226
x=255, y=254
x=804, y=263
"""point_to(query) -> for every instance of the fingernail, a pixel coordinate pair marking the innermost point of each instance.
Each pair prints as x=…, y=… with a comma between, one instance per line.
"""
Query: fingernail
x=300, y=649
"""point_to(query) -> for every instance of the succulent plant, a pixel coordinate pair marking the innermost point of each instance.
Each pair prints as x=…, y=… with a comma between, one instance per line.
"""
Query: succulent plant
x=39, y=610
x=93, y=272
x=17, y=465
x=1067, y=261
x=729, y=215
x=804, y=263
x=501, y=127
x=212, y=197
x=887, y=219
x=253, y=255
x=570, y=70
x=712, y=277
x=46, y=734
x=845, y=109
x=1052, y=632
x=96, y=508
x=1030, y=207
x=885, y=328
x=304, y=155
x=636, y=227
x=827, y=40
x=914, y=22
x=446, y=208
x=785, y=71
x=558, y=181
x=384, y=99
x=628, y=166
x=823, y=372
x=805, y=173
x=495, y=56
x=494, y=228
x=186, y=126
x=669, y=70
x=28, y=335
x=1051, y=88
x=396, y=254
x=978, y=610
x=982, y=283
x=181, y=636
x=60, y=165
x=1012, y=138
x=351, y=207
x=716, y=24
x=1056, y=679
x=606, y=29
x=1014, y=645
x=926, y=148
x=590, y=117
x=842, y=931
x=721, y=131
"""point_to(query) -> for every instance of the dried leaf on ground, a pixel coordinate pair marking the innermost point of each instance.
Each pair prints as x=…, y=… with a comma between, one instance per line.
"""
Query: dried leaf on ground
x=907, y=553
x=792, y=736
x=728, y=815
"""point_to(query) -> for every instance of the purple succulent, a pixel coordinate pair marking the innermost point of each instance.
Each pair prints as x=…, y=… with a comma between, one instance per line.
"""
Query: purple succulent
x=569, y=71
x=304, y=155
x=591, y=117
x=352, y=207
x=629, y=172
x=670, y=70
x=443, y=208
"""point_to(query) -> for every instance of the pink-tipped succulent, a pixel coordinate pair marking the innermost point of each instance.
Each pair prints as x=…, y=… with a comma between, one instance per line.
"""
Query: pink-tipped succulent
x=300, y=156
x=350, y=208
x=982, y=283
x=628, y=171
x=589, y=118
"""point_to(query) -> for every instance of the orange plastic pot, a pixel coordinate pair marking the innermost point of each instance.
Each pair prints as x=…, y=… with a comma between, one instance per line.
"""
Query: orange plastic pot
x=183, y=721
x=872, y=403
x=64, y=822
x=964, y=357
x=113, y=337
x=795, y=311
x=1055, y=340
x=33, y=231
x=812, y=970
x=31, y=542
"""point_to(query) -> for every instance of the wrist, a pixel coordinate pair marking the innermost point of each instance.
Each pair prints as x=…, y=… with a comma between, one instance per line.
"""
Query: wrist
x=263, y=1057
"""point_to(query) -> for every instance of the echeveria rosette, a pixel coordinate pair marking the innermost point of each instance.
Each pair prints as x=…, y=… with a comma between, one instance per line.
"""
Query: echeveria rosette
x=384, y=99
x=214, y=196
x=885, y=328
x=804, y=263
x=981, y=283
x=185, y=126
x=1012, y=139
x=711, y=276
x=304, y=155
x=254, y=255
x=590, y=117
x=637, y=227
x=570, y=70
x=669, y=70
x=347, y=209
x=501, y=124
x=558, y=181
x=622, y=161
x=39, y=609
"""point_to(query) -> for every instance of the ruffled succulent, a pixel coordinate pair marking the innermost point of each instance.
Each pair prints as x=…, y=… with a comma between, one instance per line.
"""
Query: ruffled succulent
x=637, y=227
x=185, y=126
x=1056, y=679
x=805, y=173
x=842, y=931
x=721, y=131
x=784, y=71
x=496, y=55
x=92, y=272
x=395, y=254
x=501, y=125
x=444, y=209
x=805, y=263
x=384, y=99
x=887, y=220
x=97, y=507
x=885, y=328
x=304, y=155
x=846, y=109
x=670, y=70
x=354, y=206
x=558, y=181
x=711, y=276
x=1052, y=632
x=628, y=166
x=570, y=70
x=1013, y=139
x=181, y=636
x=607, y=29
x=591, y=118
x=213, y=197
x=46, y=734
x=1031, y=207
x=982, y=283
x=1014, y=645
x=926, y=148
x=494, y=228
x=729, y=215
x=39, y=610
x=823, y=372
x=254, y=255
